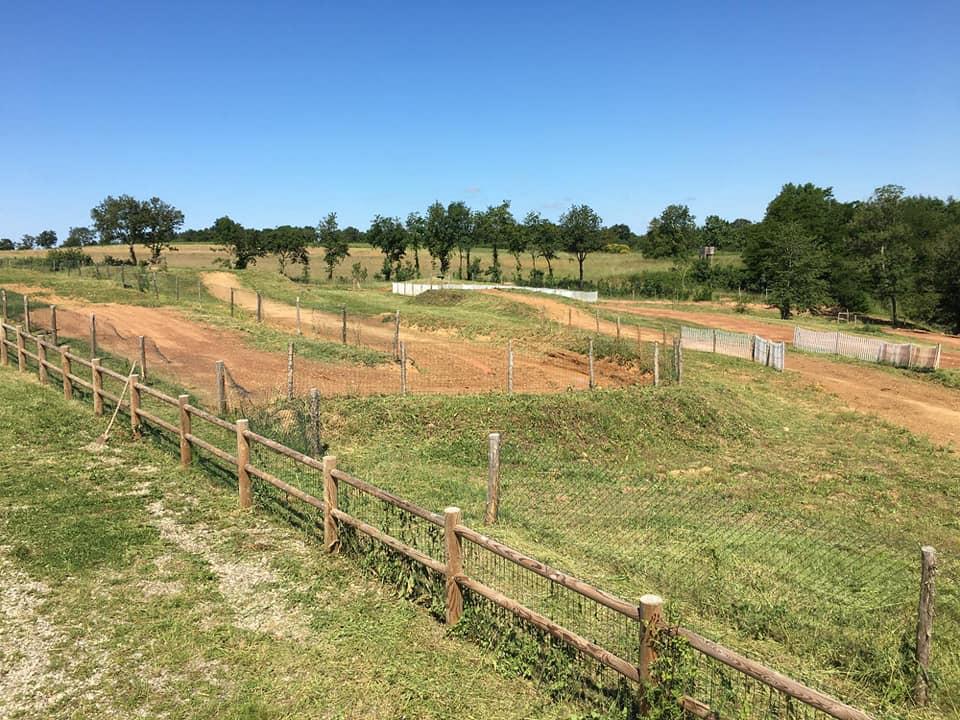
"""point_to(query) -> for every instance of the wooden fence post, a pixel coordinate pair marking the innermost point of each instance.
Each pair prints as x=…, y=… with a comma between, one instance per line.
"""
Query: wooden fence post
x=290, y=371
x=4, y=358
x=678, y=360
x=314, y=422
x=590, y=364
x=66, y=370
x=714, y=340
x=142, y=349
x=651, y=619
x=569, y=317
x=231, y=302
x=928, y=591
x=299, y=327
x=343, y=324
x=93, y=336
x=451, y=541
x=597, y=313
x=656, y=364
x=41, y=361
x=26, y=313
x=221, y=381
x=135, y=405
x=53, y=325
x=259, y=308
x=396, y=335
x=123, y=277
x=509, y=366
x=3, y=304
x=618, y=328
x=493, y=479
x=331, y=535
x=243, y=459
x=182, y=401
x=21, y=350
x=403, y=368
x=936, y=360
x=176, y=281
x=97, y=380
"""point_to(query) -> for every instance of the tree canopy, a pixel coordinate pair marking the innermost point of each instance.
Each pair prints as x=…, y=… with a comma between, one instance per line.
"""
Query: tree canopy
x=580, y=227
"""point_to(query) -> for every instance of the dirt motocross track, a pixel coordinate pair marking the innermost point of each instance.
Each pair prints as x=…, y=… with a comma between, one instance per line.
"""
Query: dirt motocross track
x=922, y=407
x=186, y=350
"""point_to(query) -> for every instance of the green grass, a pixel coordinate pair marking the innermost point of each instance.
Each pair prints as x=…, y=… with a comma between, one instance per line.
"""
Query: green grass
x=133, y=587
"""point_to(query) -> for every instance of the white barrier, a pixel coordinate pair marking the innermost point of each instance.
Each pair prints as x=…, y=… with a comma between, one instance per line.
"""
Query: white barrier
x=416, y=288
x=748, y=347
x=866, y=349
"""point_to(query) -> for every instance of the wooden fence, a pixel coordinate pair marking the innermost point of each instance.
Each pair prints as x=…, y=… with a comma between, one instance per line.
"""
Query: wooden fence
x=749, y=347
x=257, y=462
x=867, y=349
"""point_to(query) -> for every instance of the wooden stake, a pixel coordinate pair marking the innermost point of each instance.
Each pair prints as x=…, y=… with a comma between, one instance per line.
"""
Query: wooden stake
x=314, y=422
x=509, y=366
x=135, y=405
x=714, y=340
x=403, y=368
x=4, y=358
x=343, y=324
x=3, y=303
x=53, y=325
x=243, y=459
x=451, y=541
x=396, y=334
x=289, y=371
x=142, y=348
x=41, y=362
x=569, y=317
x=66, y=370
x=590, y=361
x=231, y=302
x=678, y=360
x=97, y=379
x=651, y=619
x=928, y=591
x=598, y=320
x=182, y=401
x=493, y=479
x=656, y=364
x=618, y=328
x=123, y=277
x=259, y=308
x=299, y=328
x=221, y=388
x=93, y=336
x=177, y=283
x=26, y=313
x=331, y=534
x=21, y=351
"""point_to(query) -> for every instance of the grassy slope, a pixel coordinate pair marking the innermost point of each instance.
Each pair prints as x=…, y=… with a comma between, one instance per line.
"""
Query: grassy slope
x=131, y=586
x=767, y=513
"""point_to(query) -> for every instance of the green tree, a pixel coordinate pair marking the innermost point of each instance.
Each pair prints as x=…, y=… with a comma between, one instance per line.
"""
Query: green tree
x=121, y=220
x=947, y=282
x=333, y=242
x=671, y=235
x=885, y=239
x=6, y=244
x=496, y=227
x=795, y=269
x=27, y=242
x=242, y=244
x=387, y=234
x=581, y=231
x=161, y=222
x=79, y=237
x=47, y=239
x=416, y=236
x=289, y=244
x=461, y=229
x=542, y=239
x=440, y=241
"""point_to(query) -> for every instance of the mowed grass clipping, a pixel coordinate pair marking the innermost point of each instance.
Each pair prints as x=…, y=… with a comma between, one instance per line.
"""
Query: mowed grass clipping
x=131, y=588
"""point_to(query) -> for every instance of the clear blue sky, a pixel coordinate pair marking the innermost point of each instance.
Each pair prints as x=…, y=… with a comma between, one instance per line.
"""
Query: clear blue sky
x=279, y=112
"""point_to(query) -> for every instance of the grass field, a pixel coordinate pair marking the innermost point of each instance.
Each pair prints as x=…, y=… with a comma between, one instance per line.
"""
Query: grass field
x=134, y=589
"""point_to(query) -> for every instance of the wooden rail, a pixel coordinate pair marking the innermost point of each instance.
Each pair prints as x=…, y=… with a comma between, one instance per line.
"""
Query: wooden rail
x=454, y=533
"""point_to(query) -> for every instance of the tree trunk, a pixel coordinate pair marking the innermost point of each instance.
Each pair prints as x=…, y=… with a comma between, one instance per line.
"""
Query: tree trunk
x=893, y=308
x=416, y=260
x=469, y=273
x=133, y=255
x=580, y=260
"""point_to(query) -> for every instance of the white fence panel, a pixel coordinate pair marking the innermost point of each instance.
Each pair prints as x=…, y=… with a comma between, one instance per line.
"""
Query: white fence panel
x=417, y=288
x=741, y=345
x=866, y=349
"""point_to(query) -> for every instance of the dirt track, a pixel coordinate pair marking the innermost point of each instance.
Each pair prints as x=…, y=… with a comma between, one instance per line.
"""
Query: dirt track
x=923, y=407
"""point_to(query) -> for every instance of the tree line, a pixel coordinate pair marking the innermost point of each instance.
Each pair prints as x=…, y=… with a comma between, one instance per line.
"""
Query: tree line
x=810, y=250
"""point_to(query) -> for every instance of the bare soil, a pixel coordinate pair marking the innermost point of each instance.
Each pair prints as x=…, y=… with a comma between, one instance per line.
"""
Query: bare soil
x=922, y=407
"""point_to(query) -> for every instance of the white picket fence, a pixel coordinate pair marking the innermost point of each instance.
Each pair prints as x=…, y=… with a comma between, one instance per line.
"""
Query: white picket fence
x=749, y=347
x=416, y=288
x=867, y=349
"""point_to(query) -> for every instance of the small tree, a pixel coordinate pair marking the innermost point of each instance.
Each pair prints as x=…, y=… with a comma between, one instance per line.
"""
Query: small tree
x=244, y=246
x=289, y=244
x=6, y=244
x=79, y=237
x=387, y=234
x=27, y=242
x=416, y=236
x=47, y=239
x=543, y=239
x=795, y=269
x=439, y=240
x=581, y=230
x=120, y=220
x=161, y=222
x=333, y=242
x=671, y=235
x=460, y=227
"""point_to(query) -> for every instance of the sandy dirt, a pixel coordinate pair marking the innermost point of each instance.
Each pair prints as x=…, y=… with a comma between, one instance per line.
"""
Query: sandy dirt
x=187, y=351
x=922, y=407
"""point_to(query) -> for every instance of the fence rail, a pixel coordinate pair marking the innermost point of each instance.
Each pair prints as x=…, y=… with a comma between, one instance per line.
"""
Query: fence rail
x=636, y=664
x=906, y=355
x=749, y=347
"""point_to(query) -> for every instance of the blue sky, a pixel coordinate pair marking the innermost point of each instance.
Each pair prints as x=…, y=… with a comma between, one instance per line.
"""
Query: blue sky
x=281, y=112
